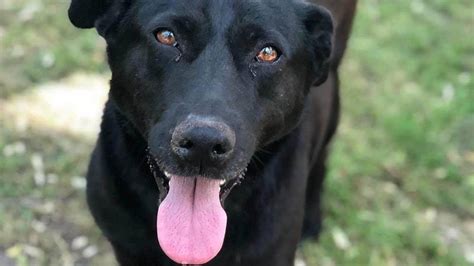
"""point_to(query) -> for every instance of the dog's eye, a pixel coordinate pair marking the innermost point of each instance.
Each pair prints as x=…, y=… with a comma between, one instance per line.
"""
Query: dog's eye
x=166, y=37
x=268, y=54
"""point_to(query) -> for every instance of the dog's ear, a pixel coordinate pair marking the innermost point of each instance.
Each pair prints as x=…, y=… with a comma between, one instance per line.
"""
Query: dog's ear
x=84, y=13
x=319, y=25
x=101, y=14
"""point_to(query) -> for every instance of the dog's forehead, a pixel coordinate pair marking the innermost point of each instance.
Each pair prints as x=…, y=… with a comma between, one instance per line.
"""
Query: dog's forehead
x=219, y=13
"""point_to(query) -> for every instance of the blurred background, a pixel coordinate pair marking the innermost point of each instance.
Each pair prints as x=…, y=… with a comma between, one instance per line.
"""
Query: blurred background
x=400, y=189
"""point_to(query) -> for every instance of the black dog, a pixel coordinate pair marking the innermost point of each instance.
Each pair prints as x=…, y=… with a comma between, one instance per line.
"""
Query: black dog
x=209, y=96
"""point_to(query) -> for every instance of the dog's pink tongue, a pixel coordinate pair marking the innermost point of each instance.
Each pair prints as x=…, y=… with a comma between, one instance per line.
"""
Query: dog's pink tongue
x=191, y=223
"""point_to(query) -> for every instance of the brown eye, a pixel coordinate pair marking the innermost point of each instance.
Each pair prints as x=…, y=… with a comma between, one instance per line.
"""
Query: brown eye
x=166, y=37
x=268, y=54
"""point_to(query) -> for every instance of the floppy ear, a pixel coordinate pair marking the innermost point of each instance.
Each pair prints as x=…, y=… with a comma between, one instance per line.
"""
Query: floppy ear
x=84, y=13
x=319, y=25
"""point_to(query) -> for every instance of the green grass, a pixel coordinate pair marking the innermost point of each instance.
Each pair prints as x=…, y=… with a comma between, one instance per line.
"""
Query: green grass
x=401, y=177
x=39, y=44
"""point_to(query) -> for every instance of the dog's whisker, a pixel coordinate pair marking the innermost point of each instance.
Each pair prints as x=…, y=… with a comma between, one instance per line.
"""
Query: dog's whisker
x=263, y=150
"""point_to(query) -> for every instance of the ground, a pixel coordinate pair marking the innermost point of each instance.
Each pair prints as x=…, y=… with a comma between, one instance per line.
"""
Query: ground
x=401, y=181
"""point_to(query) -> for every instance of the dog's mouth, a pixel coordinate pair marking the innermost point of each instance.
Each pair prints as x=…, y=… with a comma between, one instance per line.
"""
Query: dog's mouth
x=191, y=221
x=226, y=186
x=162, y=178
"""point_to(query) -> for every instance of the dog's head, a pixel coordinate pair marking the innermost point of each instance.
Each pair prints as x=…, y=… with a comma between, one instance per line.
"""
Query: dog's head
x=208, y=82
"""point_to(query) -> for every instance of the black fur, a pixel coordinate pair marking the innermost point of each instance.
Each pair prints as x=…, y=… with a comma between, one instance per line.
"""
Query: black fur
x=282, y=120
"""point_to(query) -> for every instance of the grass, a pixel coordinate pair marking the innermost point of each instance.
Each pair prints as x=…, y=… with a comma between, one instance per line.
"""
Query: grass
x=401, y=181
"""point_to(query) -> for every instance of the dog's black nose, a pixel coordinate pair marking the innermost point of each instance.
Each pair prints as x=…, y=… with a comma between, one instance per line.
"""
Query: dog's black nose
x=203, y=141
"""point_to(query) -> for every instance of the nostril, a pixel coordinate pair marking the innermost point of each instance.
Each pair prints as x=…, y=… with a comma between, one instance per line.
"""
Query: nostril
x=186, y=144
x=219, y=149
